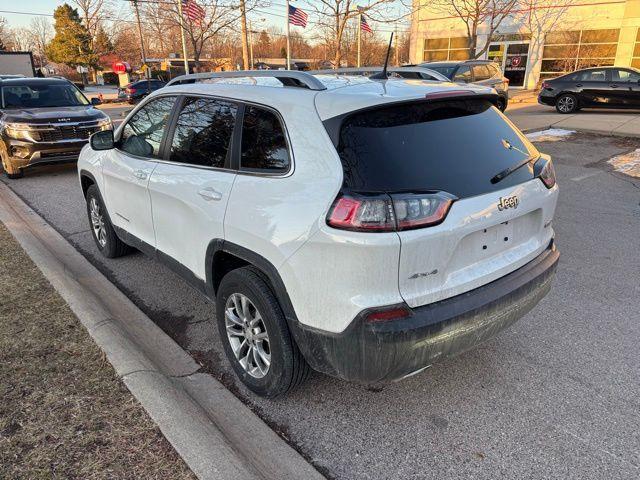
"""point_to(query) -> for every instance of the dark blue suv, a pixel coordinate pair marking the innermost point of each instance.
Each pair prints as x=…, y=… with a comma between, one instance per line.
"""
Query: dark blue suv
x=136, y=91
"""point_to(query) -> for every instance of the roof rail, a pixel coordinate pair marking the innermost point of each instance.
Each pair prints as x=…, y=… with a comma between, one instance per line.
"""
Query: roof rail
x=404, y=72
x=289, y=78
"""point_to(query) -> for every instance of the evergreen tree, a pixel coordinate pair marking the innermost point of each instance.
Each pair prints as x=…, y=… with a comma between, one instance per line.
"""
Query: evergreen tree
x=71, y=44
x=102, y=44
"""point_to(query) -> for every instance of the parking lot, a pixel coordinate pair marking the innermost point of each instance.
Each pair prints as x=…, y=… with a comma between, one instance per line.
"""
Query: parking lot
x=556, y=396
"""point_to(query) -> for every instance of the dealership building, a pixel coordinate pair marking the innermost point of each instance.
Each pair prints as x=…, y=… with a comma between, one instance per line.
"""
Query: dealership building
x=538, y=40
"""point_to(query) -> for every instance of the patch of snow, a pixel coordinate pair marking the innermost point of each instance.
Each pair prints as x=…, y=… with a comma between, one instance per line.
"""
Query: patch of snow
x=549, y=135
x=628, y=163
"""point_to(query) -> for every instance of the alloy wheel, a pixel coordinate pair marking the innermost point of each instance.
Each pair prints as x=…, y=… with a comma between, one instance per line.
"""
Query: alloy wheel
x=97, y=222
x=566, y=104
x=247, y=335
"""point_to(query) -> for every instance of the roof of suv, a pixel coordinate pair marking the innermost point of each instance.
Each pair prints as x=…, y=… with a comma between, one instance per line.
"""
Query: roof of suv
x=6, y=82
x=451, y=63
x=343, y=93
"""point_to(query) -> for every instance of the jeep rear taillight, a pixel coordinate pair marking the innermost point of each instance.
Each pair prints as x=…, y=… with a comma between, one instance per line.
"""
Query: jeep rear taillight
x=543, y=169
x=130, y=90
x=389, y=212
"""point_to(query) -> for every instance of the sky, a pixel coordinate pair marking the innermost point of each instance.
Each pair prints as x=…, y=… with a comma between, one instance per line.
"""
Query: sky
x=273, y=15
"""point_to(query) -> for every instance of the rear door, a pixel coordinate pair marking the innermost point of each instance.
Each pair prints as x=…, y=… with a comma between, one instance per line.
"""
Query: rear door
x=190, y=187
x=126, y=169
x=457, y=147
x=594, y=87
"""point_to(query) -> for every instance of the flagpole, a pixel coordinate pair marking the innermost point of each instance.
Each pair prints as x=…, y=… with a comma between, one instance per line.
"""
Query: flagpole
x=288, y=43
x=184, y=42
x=359, y=35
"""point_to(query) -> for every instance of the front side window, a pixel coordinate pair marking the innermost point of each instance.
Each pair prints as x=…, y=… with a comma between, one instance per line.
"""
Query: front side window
x=625, y=76
x=142, y=134
x=203, y=132
x=264, y=146
x=42, y=96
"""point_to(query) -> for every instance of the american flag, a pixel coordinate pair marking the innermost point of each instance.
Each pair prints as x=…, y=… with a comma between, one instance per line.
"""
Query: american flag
x=363, y=21
x=364, y=25
x=297, y=16
x=193, y=11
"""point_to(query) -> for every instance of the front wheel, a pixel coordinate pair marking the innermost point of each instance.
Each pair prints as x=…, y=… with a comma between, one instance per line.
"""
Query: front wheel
x=103, y=233
x=256, y=336
x=502, y=104
x=567, y=103
x=10, y=172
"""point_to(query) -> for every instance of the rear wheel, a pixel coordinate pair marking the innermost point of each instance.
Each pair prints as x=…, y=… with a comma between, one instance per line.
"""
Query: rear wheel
x=255, y=335
x=103, y=233
x=567, y=103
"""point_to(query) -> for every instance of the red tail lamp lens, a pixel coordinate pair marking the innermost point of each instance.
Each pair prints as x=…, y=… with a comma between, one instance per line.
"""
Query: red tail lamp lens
x=395, y=313
x=385, y=213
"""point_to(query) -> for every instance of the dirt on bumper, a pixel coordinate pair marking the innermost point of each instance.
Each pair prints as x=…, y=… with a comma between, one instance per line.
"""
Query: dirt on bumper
x=384, y=351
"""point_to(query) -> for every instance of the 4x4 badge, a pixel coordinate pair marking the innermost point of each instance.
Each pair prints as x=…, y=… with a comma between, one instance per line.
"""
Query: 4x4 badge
x=508, y=202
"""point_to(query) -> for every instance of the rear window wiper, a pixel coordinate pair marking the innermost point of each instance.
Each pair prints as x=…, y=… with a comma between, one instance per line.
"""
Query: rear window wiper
x=508, y=171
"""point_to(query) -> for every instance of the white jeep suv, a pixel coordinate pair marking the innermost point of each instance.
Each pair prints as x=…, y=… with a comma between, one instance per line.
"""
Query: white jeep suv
x=363, y=228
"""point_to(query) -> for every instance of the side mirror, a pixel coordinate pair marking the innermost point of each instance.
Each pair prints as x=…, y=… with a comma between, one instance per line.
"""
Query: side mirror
x=102, y=140
x=96, y=101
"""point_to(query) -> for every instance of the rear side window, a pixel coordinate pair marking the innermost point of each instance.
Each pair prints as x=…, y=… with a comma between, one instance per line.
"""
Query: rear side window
x=203, y=132
x=142, y=134
x=463, y=74
x=452, y=146
x=264, y=145
x=481, y=72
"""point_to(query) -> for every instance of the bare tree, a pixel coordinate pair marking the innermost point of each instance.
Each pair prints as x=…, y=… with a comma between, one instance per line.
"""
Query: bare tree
x=37, y=35
x=475, y=14
x=335, y=16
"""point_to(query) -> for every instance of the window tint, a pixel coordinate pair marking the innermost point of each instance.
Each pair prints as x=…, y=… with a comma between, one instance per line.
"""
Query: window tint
x=593, y=76
x=625, y=76
x=481, y=72
x=143, y=133
x=452, y=146
x=203, y=132
x=463, y=74
x=264, y=146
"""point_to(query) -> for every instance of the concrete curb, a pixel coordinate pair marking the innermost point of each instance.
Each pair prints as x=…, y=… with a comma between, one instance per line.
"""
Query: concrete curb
x=613, y=133
x=218, y=436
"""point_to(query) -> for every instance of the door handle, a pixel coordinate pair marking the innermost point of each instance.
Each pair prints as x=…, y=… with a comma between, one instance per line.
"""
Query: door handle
x=210, y=194
x=614, y=86
x=578, y=85
x=140, y=174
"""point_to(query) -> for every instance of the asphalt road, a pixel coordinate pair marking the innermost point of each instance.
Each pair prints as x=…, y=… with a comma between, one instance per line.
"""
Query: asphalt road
x=555, y=396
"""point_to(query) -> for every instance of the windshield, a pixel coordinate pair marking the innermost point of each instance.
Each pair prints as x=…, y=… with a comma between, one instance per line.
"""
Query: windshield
x=455, y=146
x=446, y=70
x=39, y=96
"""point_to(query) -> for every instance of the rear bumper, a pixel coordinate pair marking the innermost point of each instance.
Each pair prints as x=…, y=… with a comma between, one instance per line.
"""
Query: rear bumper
x=546, y=99
x=383, y=351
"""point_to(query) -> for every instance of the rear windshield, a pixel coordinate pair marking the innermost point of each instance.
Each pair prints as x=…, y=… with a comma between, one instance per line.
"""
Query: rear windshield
x=452, y=146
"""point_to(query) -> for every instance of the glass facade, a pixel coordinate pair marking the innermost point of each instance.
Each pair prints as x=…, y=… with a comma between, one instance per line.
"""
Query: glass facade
x=571, y=50
x=635, y=61
x=439, y=49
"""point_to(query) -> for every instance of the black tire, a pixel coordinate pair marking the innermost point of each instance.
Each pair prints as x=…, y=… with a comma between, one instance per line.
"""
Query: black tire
x=502, y=104
x=288, y=368
x=567, y=103
x=110, y=246
x=14, y=175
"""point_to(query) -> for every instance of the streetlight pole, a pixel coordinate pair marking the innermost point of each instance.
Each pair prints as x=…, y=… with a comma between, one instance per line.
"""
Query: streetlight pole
x=144, y=55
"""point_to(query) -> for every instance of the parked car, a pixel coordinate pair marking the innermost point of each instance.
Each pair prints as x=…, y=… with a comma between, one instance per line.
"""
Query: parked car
x=481, y=72
x=420, y=73
x=604, y=87
x=136, y=91
x=343, y=224
x=44, y=120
